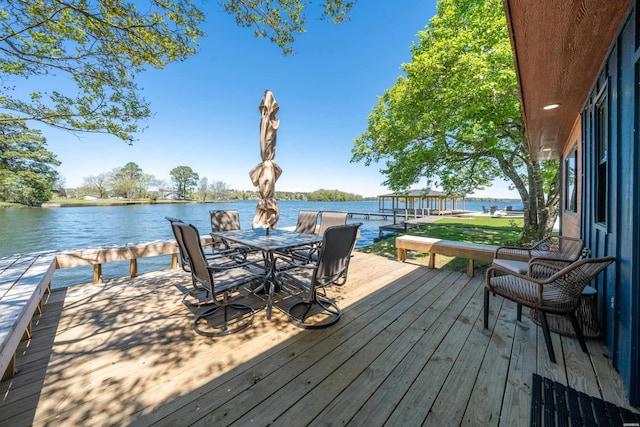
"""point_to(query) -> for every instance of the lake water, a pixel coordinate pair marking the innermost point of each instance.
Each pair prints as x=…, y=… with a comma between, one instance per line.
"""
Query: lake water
x=33, y=230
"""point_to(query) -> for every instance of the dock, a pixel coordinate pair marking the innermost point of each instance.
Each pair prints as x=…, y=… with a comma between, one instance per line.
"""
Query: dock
x=406, y=225
x=385, y=216
x=410, y=349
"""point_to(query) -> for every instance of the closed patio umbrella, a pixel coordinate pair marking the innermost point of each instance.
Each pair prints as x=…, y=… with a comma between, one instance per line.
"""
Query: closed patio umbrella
x=267, y=172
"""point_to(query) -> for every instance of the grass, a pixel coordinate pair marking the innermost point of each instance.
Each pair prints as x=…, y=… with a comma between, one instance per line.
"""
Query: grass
x=477, y=229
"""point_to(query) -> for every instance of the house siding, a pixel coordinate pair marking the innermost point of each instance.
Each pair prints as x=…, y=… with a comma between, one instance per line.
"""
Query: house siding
x=619, y=236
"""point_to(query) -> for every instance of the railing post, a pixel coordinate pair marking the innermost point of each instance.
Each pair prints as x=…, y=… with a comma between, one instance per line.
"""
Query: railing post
x=97, y=273
x=133, y=268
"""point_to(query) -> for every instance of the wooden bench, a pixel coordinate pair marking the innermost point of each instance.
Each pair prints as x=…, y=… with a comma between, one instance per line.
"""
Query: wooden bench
x=24, y=279
x=471, y=251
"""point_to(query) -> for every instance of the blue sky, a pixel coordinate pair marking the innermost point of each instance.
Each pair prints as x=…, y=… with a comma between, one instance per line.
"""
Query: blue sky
x=206, y=108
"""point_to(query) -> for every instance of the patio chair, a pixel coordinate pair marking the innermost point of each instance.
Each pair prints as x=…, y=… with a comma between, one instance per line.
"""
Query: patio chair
x=329, y=219
x=224, y=220
x=523, y=267
x=315, y=311
x=559, y=248
x=307, y=222
x=547, y=288
x=229, y=220
x=235, y=256
x=222, y=280
x=239, y=253
x=184, y=260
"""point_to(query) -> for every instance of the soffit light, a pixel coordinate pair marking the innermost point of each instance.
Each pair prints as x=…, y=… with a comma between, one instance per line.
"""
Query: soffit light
x=551, y=107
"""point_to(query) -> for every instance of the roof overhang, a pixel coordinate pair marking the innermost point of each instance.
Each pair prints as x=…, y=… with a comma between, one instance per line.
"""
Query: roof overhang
x=558, y=49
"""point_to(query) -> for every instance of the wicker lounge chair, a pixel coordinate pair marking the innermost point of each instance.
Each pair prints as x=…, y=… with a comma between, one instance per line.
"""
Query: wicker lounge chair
x=547, y=288
x=559, y=248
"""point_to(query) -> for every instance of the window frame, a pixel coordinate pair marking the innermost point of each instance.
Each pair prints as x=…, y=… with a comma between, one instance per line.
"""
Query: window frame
x=571, y=181
x=601, y=156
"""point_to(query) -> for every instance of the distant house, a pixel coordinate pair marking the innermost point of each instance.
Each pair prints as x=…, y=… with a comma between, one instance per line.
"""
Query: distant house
x=89, y=197
x=169, y=195
x=578, y=70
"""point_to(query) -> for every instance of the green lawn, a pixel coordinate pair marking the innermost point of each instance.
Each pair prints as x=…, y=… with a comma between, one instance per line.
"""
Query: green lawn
x=477, y=229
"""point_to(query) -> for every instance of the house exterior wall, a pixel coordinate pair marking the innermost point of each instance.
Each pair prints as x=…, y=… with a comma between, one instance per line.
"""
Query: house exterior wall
x=610, y=216
x=570, y=209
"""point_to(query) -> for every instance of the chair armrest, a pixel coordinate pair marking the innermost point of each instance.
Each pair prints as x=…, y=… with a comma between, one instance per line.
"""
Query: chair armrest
x=301, y=253
x=542, y=268
x=291, y=262
x=557, y=262
x=537, y=267
x=513, y=252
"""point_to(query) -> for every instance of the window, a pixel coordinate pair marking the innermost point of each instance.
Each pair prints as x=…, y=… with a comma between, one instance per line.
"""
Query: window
x=601, y=133
x=571, y=181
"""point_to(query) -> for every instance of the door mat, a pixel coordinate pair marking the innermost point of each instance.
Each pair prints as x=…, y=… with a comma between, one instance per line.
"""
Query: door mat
x=554, y=404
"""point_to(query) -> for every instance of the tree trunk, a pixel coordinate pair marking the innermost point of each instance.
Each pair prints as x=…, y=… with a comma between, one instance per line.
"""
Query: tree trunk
x=539, y=214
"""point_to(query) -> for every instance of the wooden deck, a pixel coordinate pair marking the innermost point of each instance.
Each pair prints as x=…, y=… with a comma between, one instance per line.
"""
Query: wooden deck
x=409, y=349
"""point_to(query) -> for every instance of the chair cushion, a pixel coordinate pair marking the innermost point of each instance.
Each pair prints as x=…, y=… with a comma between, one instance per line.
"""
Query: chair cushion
x=521, y=267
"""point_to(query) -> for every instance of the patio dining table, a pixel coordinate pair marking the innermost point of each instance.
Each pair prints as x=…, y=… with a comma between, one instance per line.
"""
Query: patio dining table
x=277, y=240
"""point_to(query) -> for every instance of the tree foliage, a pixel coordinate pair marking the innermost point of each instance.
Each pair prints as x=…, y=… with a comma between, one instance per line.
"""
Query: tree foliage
x=455, y=118
x=97, y=185
x=185, y=179
x=80, y=58
x=323, y=195
x=280, y=21
x=27, y=168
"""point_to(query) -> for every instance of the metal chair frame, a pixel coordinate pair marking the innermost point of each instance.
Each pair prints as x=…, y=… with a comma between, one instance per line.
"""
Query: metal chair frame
x=330, y=268
x=220, y=280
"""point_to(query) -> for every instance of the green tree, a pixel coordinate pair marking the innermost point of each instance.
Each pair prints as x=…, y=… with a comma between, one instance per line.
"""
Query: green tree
x=203, y=188
x=90, y=51
x=219, y=190
x=97, y=185
x=455, y=118
x=126, y=180
x=27, y=168
x=280, y=21
x=185, y=179
x=81, y=57
x=323, y=195
x=143, y=184
x=58, y=188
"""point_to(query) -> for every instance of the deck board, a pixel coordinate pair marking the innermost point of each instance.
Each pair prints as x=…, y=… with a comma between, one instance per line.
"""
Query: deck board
x=409, y=349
